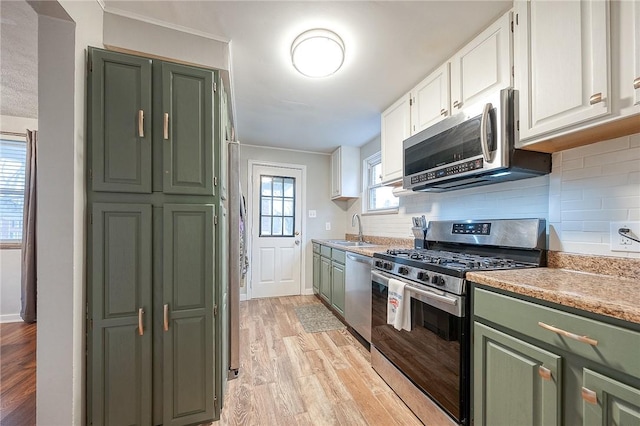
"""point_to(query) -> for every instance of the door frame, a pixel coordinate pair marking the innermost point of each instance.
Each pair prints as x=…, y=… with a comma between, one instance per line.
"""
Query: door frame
x=303, y=219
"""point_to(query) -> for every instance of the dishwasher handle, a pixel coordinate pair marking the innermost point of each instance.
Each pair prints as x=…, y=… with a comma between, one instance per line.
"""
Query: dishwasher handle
x=360, y=259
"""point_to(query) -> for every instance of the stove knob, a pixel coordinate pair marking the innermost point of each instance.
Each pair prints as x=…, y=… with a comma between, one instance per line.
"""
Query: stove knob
x=379, y=263
x=388, y=266
x=402, y=270
x=423, y=276
x=437, y=280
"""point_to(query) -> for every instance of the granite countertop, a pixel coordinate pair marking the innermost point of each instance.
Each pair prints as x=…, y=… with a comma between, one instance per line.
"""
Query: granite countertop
x=379, y=244
x=613, y=296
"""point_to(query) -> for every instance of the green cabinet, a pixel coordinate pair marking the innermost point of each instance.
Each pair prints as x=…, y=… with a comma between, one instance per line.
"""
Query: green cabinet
x=325, y=278
x=541, y=365
x=154, y=263
x=328, y=275
x=515, y=383
x=120, y=295
x=187, y=114
x=316, y=273
x=337, y=286
x=614, y=403
x=120, y=121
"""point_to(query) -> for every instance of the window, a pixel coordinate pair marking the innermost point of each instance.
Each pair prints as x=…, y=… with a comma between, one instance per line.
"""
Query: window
x=377, y=198
x=277, y=206
x=13, y=155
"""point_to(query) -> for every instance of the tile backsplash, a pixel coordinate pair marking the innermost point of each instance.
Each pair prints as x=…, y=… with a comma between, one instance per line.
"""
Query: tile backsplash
x=589, y=187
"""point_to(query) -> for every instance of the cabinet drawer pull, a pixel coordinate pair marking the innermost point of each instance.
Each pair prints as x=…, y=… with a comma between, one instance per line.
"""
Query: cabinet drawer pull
x=165, y=322
x=457, y=104
x=165, y=126
x=636, y=83
x=544, y=372
x=583, y=339
x=594, y=99
x=443, y=112
x=140, y=321
x=141, y=123
x=589, y=396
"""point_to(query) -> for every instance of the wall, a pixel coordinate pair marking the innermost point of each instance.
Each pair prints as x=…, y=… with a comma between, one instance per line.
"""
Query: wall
x=589, y=187
x=317, y=193
x=139, y=36
x=11, y=259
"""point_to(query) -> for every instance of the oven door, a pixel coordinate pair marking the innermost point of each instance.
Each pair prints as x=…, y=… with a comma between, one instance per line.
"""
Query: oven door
x=434, y=355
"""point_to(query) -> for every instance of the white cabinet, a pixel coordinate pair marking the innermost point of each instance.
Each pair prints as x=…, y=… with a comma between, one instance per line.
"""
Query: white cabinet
x=430, y=99
x=345, y=173
x=484, y=66
x=395, y=128
x=561, y=63
x=625, y=18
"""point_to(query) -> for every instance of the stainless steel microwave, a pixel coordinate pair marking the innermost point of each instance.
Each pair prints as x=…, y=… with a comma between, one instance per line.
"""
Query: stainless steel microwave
x=472, y=148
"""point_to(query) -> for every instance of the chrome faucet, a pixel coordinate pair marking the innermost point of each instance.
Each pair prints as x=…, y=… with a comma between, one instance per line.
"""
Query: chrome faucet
x=353, y=218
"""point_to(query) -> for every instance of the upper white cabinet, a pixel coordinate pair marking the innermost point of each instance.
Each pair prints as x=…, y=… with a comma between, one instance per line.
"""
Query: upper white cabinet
x=345, y=173
x=395, y=128
x=484, y=66
x=561, y=63
x=430, y=100
x=625, y=16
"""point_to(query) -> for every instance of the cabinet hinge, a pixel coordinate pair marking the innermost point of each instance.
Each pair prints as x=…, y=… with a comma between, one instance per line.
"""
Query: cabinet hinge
x=215, y=402
x=89, y=64
x=215, y=310
x=91, y=218
x=517, y=23
x=513, y=72
x=215, y=181
x=410, y=101
x=91, y=174
x=511, y=26
x=215, y=86
x=215, y=220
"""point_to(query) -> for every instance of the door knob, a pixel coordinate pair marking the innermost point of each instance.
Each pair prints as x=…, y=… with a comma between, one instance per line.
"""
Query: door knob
x=297, y=242
x=296, y=233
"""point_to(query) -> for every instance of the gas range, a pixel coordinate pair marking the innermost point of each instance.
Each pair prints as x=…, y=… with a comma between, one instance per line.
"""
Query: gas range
x=458, y=247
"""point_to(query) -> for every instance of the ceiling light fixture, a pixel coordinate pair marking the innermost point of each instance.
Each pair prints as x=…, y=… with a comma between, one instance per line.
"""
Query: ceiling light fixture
x=317, y=53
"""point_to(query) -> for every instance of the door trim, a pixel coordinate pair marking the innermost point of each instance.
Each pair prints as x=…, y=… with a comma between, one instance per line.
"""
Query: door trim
x=303, y=219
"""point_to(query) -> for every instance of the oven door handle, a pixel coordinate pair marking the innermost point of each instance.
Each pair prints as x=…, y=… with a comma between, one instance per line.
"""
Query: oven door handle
x=432, y=295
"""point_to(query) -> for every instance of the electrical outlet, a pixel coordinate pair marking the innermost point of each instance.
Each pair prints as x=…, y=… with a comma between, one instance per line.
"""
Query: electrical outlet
x=621, y=242
x=327, y=226
x=312, y=213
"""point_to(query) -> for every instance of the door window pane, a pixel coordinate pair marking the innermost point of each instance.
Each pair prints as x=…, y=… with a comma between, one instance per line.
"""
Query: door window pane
x=277, y=206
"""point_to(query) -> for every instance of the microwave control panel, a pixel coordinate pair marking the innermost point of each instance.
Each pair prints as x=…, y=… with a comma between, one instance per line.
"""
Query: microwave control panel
x=447, y=171
x=472, y=228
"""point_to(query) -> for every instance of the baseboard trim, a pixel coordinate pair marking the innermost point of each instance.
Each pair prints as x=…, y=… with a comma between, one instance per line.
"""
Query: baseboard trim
x=10, y=318
x=243, y=297
x=307, y=292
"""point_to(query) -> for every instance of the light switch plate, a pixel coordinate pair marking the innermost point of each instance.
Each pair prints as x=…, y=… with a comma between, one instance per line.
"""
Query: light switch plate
x=327, y=226
x=621, y=243
x=312, y=213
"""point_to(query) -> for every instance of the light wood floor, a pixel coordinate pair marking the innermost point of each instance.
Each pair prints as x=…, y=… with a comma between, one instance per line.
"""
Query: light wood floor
x=289, y=377
x=17, y=374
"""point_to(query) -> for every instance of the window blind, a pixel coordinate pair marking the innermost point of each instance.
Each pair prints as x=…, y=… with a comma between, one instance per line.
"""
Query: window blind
x=12, y=174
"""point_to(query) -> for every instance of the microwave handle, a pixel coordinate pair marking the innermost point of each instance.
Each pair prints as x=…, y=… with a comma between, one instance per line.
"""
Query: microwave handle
x=484, y=143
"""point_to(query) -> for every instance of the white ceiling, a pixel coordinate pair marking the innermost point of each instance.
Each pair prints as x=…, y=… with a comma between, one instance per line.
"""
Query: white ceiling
x=390, y=46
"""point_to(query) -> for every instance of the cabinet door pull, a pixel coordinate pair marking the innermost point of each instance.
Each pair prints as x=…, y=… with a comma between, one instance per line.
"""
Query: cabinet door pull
x=141, y=123
x=165, y=126
x=544, y=372
x=636, y=83
x=165, y=322
x=443, y=112
x=594, y=99
x=589, y=396
x=140, y=321
x=561, y=332
x=457, y=104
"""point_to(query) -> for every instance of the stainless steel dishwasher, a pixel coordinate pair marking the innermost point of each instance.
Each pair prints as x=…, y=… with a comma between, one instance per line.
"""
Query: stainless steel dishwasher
x=357, y=309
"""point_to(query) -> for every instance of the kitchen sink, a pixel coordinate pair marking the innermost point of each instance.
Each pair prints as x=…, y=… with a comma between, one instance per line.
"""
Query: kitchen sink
x=351, y=243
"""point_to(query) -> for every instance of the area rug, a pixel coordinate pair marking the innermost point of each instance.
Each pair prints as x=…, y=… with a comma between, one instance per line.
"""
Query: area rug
x=316, y=318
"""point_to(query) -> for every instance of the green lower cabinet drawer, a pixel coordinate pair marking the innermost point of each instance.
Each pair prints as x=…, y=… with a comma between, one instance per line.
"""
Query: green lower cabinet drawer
x=609, y=402
x=325, y=251
x=606, y=344
x=316, y=248
x=338, y=255
x=515, y=383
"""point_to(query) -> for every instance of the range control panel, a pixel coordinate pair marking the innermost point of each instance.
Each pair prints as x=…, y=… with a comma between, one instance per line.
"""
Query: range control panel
x=447, y=171
x=472, y=228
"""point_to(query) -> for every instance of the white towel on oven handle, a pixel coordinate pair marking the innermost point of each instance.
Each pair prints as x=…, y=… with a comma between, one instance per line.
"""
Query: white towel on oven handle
x=398, y=305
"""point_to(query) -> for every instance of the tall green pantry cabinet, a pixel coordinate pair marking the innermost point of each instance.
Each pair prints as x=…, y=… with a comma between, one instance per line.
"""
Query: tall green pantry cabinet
x=153, y=165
